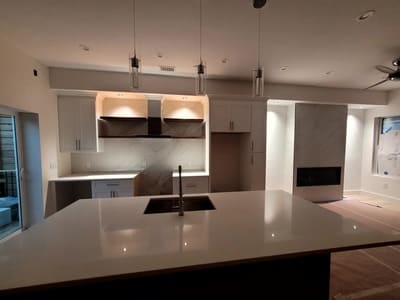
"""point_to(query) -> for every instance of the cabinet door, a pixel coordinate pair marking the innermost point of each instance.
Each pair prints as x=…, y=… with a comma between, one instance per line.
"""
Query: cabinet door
x=241, y=117
x=258, y=127
x=220, y=116
x=257, y=171
x=191, y=185
x=68, y=119
x=87, y=138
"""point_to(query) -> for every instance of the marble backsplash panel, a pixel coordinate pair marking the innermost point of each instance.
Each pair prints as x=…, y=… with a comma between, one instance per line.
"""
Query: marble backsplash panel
x=140, y=153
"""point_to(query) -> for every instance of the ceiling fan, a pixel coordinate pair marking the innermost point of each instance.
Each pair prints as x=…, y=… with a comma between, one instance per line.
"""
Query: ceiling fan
x=392, y=75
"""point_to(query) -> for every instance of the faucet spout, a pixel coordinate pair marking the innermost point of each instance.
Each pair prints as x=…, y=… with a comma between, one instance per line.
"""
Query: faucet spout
x=181, y=201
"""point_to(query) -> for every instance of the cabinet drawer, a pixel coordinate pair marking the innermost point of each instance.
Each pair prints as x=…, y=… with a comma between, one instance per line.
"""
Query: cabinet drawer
x=105, y=185
x=112, y=188
x=112, y=194
x=191, y=185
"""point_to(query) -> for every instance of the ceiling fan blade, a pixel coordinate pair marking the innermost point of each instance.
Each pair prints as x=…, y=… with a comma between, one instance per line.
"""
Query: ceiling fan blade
x=384, y=69
x=378, y=83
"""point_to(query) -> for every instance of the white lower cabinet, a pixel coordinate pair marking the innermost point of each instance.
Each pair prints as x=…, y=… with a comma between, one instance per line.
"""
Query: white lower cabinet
x=191, y=185
x=112, y=188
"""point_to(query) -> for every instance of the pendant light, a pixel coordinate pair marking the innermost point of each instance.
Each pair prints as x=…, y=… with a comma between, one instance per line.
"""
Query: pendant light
x=134, y=62
x=258, y=74
x=201, y=80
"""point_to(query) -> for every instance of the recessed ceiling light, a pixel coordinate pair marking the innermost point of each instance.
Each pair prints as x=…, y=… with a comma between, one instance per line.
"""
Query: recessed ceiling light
x=159, y=55
x=284, y=68
x=224, y=60
x=329, y=73
x=366, y=15
x=84, y=47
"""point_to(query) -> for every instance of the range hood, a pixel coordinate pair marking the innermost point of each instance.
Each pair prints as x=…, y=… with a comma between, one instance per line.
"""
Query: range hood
x=154, y=124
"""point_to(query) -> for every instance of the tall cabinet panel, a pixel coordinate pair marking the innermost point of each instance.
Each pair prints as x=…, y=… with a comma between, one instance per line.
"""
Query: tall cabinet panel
x=238, y=145
x=87, y=123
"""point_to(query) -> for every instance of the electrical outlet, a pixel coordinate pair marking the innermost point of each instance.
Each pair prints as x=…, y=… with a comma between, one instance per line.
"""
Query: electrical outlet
x=53, y=165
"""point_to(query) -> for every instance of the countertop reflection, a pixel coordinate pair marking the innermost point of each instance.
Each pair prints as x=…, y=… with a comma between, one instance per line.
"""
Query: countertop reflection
x=104, y=237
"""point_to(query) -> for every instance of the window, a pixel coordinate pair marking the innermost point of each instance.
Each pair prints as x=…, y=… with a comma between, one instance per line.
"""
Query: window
x=387, y=151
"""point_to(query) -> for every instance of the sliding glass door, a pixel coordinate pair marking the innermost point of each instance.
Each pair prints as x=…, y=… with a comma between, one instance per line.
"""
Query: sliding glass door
x=10, y=200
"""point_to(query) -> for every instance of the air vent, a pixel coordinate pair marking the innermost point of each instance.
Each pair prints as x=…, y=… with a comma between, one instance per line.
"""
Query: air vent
x=167, y=68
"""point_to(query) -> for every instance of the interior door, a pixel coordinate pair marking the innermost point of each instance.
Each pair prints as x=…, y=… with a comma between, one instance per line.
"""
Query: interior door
x=68, y=114
x=87, y=120
x=241, y=117
x=220, y=117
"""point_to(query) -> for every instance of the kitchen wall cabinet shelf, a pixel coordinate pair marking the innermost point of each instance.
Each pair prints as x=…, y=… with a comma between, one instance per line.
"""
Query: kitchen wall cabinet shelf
x=117, y=127
x=129, y=119
x=183, y=120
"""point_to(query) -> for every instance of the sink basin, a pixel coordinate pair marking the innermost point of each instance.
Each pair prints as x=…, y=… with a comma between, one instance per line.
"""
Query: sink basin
x=171, y=204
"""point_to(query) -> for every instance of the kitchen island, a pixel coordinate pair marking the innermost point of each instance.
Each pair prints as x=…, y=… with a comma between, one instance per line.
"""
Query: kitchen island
x=261, y=241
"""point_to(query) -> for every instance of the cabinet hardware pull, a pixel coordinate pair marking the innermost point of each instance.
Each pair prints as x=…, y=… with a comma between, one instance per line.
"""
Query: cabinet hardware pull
x=111, y=194
x=79, y=143
x=252, y=145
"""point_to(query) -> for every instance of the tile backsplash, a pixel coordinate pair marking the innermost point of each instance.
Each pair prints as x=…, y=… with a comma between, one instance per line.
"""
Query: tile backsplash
x=139, y=153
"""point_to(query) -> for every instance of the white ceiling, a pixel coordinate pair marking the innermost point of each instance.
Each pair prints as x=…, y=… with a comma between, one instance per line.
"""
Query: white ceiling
x=310, y=37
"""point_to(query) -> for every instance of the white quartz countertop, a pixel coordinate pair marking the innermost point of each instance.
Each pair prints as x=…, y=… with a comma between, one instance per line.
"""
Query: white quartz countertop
x=105, y=237
x=96, y=176
x=116, y=175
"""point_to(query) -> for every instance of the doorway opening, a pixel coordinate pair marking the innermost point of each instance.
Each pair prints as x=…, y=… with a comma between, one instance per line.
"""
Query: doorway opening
x=10, y=196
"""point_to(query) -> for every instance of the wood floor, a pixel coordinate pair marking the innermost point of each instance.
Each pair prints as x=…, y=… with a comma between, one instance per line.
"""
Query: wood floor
x=367, y=274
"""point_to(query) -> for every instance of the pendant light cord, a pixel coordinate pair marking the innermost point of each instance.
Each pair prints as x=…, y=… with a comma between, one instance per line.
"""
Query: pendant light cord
x=259, y=37
x=200, y=22
x=134, y=27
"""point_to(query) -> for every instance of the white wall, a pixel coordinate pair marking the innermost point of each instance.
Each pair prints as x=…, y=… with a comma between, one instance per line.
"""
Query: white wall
x=74, y=79
x=19, y=89
x=139, y=153
x=384, y=185
x=289, y=150
x=276, y=137
x=354, y=149
x=280, y=147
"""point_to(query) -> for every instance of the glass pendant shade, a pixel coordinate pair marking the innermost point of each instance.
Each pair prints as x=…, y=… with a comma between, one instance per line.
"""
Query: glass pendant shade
x=201, y=80
x=134, y=71
x=258, y=82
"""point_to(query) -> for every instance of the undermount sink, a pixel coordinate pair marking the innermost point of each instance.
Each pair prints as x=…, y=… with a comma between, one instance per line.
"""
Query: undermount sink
x=171, y=204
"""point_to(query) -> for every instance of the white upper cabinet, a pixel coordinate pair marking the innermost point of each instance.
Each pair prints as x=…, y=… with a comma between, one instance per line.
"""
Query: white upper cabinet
x=77, y=124
x=230, y=116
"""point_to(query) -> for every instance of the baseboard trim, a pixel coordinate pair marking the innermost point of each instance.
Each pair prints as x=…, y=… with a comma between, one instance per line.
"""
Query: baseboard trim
x=380, y=195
